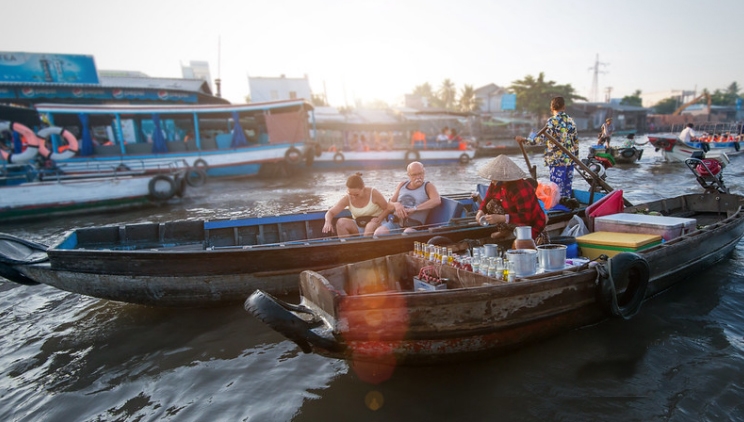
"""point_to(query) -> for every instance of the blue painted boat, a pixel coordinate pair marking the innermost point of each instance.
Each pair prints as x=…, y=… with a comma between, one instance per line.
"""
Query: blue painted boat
x=223, y=140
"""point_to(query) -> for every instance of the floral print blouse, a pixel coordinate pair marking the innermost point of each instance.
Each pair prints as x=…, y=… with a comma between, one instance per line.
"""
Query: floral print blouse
x=563, y=129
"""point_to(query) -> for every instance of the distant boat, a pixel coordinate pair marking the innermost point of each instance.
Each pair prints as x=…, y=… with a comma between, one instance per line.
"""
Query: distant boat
x=223, y=140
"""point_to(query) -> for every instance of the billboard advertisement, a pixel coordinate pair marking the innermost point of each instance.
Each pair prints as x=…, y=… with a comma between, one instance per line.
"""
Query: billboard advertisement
x=47, y=68
x=509, y=102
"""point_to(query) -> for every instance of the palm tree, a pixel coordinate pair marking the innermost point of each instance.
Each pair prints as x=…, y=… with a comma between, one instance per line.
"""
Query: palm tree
x=534, y=95
x=468, y=100
x=447, y=93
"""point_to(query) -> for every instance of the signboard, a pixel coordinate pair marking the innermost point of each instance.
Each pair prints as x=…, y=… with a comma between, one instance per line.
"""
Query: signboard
x=47, y=68
x=509, y=102
x=53, y=93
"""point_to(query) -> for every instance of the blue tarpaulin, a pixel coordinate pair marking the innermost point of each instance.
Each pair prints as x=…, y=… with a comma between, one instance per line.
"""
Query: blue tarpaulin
x=238, y=138
x=86, y=141
x=158, y=141
x=17, y=143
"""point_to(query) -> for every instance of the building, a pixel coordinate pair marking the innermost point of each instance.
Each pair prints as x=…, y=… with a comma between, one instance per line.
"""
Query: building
x=197, y=70
x=491, y=98
x=31, y=78
x=265, y=89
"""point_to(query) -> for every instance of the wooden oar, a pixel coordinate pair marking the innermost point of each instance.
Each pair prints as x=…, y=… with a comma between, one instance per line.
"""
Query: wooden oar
x=533, y=169
x=575, y=159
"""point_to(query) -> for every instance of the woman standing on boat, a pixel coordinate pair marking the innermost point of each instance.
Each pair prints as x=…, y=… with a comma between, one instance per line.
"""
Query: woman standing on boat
x=367, y=206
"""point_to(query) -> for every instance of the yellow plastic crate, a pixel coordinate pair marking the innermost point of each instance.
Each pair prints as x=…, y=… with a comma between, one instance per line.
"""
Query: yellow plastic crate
x=611, y=243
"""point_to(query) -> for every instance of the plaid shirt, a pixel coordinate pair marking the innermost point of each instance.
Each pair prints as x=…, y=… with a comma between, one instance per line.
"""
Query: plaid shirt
x=518, y=199
x=563, y=129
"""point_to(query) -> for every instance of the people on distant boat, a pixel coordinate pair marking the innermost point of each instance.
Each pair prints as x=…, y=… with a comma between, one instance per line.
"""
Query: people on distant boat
x=418, y=137
x=606, y=133
x=688, y=133
x=367, y=206
x=563, y=129
x=629, y=141
x=411, y=201
x=510, y=200
x=444, y=136
x=454, y=139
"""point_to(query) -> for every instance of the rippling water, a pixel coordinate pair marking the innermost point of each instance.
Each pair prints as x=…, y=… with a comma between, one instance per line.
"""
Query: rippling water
x=72, y=358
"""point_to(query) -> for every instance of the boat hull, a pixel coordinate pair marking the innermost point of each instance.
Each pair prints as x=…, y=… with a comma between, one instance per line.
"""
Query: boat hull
x=329, y=160
x=369, y=312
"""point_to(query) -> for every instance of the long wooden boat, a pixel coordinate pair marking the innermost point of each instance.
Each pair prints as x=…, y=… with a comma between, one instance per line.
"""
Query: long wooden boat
x=205, y=136
x=494, y=147
x=369, y=311
x=211, y=262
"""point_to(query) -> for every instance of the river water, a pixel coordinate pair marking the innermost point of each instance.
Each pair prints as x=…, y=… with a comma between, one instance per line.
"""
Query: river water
x=72, y=358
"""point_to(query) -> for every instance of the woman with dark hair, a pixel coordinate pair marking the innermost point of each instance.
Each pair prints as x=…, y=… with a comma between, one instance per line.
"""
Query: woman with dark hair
x=367, y=206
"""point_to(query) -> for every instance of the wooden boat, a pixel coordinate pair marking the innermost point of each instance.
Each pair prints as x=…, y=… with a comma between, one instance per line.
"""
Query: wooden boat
x=27, y=192
x=495, y=147
x=202, y=263
x=369, y=311
x=205, y=136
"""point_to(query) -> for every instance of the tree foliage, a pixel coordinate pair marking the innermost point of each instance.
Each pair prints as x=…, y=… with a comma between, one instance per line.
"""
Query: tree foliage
x=318, y=100
x=633, y=100
x=534, y=94
x=666, y=106
x=468, y=101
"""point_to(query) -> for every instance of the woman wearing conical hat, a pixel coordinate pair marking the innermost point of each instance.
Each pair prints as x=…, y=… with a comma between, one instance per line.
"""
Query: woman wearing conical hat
x=510, y=200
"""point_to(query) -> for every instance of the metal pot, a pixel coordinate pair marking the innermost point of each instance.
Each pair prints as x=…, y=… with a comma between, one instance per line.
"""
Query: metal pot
x=552, y=256
x=524, y=261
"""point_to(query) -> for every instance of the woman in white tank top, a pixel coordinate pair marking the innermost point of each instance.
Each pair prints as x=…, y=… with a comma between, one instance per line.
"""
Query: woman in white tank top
x=367, y=206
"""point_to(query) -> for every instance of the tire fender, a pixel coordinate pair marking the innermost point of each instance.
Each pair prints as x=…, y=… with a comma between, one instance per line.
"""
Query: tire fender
x=339, y=158
x=155, y=187
x=628, y=153
x=293, y=155
x=440, y=240
x=195, y=177
x=737, y=147
x=202, y=164
x=464, y=158
x=704, y=146
x=623, y=283
x=412, y=155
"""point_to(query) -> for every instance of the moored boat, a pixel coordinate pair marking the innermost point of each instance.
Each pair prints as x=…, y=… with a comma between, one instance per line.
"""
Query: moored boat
x=27, y=192
x=397, y=158
x=223, y=140
x=203, y=263
x=370, y=311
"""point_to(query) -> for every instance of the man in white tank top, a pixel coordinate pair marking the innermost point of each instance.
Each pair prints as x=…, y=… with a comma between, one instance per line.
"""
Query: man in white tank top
x=412, y=201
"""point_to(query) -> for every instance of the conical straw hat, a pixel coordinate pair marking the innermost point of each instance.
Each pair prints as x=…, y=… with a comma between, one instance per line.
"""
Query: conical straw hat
x=502, y=169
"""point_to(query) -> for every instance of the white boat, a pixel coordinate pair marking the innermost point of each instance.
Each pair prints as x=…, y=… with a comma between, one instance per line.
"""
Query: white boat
x=396, y=158
x=61, y=195
x=674, y=150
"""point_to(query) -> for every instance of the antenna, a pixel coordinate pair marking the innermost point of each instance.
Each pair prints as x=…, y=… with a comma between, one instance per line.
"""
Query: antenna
x=595, y=81
x=218, y=81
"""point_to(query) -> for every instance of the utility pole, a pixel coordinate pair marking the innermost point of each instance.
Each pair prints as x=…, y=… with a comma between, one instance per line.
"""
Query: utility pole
x=593, y=95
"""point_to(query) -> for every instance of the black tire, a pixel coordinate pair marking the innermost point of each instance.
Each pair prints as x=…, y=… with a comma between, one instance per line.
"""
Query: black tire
x=155, y=187
x=309, y=157
x=293, y=156
x=704, y=146
x=628, y=153
x=196, y=177
x=629, y=274
x=318, y=150
x=737, y=147
x=440, y=241
x=464, y=158
x=180, y=181
x=339, y=158
x=412, y=155
x=202, y=164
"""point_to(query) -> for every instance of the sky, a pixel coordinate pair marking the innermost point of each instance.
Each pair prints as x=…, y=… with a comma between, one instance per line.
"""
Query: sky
x=359, y=50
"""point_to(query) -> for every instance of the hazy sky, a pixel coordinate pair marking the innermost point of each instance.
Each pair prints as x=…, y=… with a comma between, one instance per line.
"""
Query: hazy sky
x=382, y=49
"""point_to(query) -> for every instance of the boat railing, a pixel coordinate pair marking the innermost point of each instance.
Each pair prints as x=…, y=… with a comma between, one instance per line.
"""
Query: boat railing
x=92, y=169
